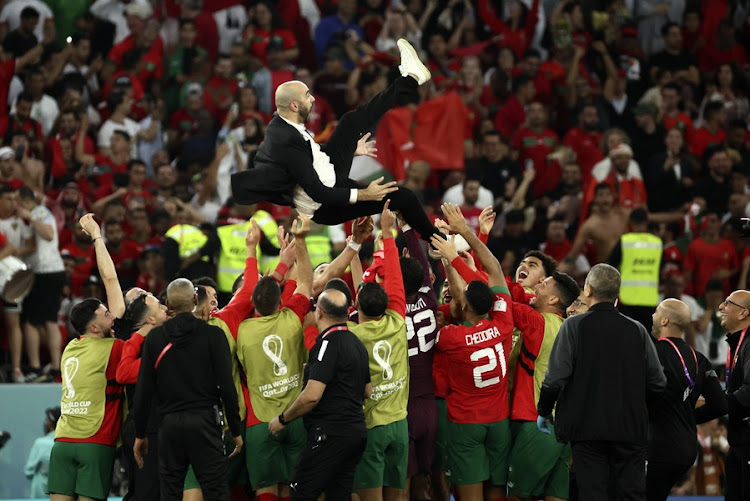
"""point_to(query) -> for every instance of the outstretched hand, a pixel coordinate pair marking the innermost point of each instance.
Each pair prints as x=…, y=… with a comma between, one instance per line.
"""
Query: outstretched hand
x=387, y=220
x=366, y=148
x=90, y=227
x=252, y=237
x=456, y=220
x=362, y=229
x=376, y=190
x=487, y=220
x=445, y=248
x=301, y=226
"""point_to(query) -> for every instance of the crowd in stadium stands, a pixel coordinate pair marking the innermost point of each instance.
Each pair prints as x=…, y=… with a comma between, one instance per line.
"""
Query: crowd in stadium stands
x=566, y=117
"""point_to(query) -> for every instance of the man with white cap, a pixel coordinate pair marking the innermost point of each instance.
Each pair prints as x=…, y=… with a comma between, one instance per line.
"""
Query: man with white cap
x=8, y=170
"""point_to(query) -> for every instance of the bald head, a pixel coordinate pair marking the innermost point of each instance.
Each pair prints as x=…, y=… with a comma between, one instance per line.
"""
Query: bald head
x=677, y=312
x=334, y=305
x=735, y=311
x=181, y=295
x=289, y=92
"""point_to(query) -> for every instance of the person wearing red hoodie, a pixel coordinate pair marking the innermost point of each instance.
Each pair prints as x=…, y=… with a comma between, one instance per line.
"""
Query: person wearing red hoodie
x=520, y=33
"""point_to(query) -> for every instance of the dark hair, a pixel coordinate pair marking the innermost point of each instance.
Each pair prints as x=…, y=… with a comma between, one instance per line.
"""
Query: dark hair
x=639, y=216
x=184, y=21
x=372, y=299
x=479, y=297
x=83, y=314
x=111, y=222
x=672, y=86
x=266, y=296
x=711, y=151
x=238, y=282
x=548, y=262
x=206, y=282
x=201, y=294
x=134, y=162
x=333, y=310
x=413, y=275
x=136, y=312
x=602, y=186
x=25, y=96
x=29, y=13
x=668, y=26
x=223, y=55
x=115, y=98
x=26, y=193
x=339, y=285
x=712, y=109
x=122, y=133
x=520, y=81
x=78, y=37
x=567, y=289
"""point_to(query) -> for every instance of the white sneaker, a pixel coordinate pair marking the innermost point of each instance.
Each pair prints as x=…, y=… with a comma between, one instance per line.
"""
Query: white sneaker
x=458, y=241
x=410, y=63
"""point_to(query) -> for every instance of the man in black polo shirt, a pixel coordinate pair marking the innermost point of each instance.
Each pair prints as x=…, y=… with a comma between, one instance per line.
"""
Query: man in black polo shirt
x=336, y=383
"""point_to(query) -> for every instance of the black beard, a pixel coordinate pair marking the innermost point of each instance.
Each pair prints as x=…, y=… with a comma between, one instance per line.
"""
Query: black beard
x=69, y=204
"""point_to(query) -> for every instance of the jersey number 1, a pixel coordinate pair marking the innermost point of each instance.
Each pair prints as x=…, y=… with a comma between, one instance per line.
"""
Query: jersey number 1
x=491, y=364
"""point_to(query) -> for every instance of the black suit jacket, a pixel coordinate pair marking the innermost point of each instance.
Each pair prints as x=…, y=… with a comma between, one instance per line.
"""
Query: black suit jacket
x=284, y=160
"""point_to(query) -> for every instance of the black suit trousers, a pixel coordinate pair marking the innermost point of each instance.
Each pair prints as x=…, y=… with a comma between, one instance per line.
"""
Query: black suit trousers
x=596, y=462
x=342, y=145
x=738, y=473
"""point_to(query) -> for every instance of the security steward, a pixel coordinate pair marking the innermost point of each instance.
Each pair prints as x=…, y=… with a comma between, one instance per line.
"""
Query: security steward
x=232, y=253
x=187, y=364
x=735, y=319
x=336, y=383
x=638, y=258
x=672, y=415
x=605, y=357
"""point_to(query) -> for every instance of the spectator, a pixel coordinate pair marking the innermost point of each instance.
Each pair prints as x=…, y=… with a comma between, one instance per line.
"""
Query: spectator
x=37, y=466
x=534, y=143
x=585, y=140
x=674, y=58
x=723, y=48
x=333, y=30
x=78, y=63
x=495, y=163
x=42, y=303
x=20, y=120
x=399, y=23
x=648, y=135
x=22, y=38
x=670, y=175
x=469, y=193
x=123, y=252
x=266, y=25
x=630, y=190
x=710, y=133
x=671, y=114
x=219, y=90
x=709, y=257
x=513, y=115
x=43, y=108
x=120, y=103
x=715, y=185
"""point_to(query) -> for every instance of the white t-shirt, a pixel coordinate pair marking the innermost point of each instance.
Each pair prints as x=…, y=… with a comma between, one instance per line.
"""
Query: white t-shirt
x=44, y=111
x=11, y=15
x=455, y=195
x=47, y=257
x=108, y=127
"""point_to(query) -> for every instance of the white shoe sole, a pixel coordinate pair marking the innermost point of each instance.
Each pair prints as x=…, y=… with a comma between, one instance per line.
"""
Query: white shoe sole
x=418, y=69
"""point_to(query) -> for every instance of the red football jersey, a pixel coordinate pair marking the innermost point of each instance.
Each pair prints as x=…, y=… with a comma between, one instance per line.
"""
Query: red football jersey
x=478, y=359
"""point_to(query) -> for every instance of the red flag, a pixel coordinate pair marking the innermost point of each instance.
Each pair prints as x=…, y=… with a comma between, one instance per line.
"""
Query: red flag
x=435, y=133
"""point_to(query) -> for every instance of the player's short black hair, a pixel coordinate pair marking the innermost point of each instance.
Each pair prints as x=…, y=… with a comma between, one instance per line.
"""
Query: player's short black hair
x=266, y=296
x=372, y=299
x=201, y=294
x=29, y=13
x=238, y=282
x=479, y=297
x=639, y=216
x=567, y=289
x=83, y=314
x=207, y=282
x=668, y=26
x=413, y=274
x=548, y=262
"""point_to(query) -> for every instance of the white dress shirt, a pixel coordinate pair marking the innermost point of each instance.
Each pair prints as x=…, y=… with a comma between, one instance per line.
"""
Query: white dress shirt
x=325, y=170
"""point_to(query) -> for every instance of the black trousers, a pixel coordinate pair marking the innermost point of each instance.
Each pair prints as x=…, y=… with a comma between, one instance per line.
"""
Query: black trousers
x=342, y=145
x=192, y=438
x=327, y=467
x=661, y=477
x=738, y=473
x=143, y=483
x=595, y=462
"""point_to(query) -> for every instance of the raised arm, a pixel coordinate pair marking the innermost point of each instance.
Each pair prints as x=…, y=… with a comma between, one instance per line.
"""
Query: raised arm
x=107, y=271
x=241, y=303
x=489, y=262
x=393, y=283
x=361, y=231
x=416, y=251
x=300, y=229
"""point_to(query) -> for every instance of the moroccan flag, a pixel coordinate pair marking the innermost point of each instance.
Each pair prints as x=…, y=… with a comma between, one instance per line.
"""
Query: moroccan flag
x=434, y=132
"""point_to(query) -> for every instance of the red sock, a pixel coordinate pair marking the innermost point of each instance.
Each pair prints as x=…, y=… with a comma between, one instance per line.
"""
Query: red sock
x=266, y=497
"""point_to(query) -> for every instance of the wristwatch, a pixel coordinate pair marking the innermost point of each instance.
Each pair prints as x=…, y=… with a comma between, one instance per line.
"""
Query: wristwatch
x=282, y=420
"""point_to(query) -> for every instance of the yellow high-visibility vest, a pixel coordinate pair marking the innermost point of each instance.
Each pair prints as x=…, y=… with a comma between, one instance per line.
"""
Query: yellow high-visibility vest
x=189, y=238
x=233, y=253
x=639, y=269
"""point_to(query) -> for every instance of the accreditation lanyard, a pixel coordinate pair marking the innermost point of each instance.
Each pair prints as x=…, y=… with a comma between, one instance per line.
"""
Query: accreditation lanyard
x=731, y=363
x=334, y=329
x=684, y=365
